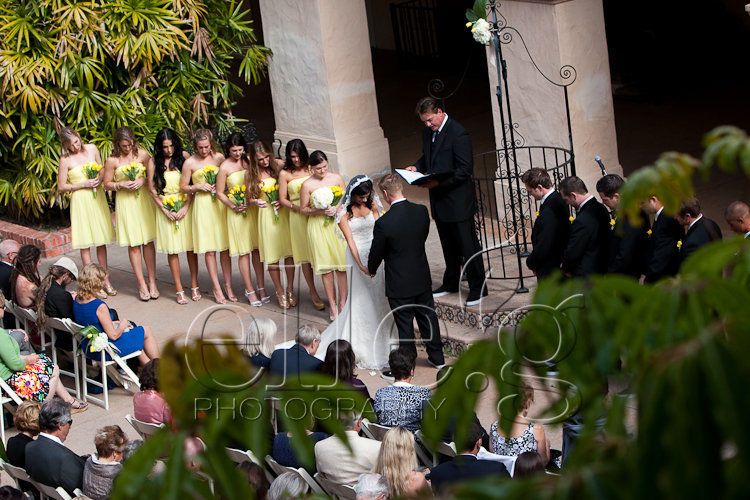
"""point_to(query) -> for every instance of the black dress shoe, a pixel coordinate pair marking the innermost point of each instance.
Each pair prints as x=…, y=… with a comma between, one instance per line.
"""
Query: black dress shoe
x=476, y=298
x=387, y=375
x=441, y=291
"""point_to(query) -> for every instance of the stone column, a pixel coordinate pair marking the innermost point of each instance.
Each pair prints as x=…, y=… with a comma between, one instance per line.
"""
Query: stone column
x=322, y=82
x=558, y=33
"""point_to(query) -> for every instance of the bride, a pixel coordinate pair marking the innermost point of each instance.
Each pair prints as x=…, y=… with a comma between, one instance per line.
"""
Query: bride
x=365, y=321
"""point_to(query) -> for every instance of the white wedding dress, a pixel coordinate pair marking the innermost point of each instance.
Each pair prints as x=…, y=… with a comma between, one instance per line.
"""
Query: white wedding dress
x=366, y=320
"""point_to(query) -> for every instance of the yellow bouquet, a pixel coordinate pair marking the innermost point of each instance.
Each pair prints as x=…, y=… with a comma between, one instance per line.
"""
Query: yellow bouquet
x=238, y=194
x=272, y=193
x=133, y=171
x=173, y=203
x=209, y=173
x=92, y=169
x=338, y=193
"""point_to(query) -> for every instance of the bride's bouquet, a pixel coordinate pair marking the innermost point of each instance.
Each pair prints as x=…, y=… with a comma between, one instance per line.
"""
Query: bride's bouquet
x=133, y=171
x=209, y=173
x=327, y=197
x=272, y=193
x=238, y=194
x=92, y=169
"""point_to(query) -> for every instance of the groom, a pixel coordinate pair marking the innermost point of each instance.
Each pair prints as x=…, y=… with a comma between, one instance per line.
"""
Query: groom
x=398, y=238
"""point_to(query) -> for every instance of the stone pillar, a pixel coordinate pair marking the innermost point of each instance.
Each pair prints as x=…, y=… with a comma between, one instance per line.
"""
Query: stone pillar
x=322, y=82
x=558, y=33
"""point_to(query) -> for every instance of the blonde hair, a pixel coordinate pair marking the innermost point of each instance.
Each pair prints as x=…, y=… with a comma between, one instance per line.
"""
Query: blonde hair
x=67, y=135
x=26, y=418
x=91, y=280
x=123, y=134
x=203, y=134
x=396, y=460
x=259, y=338
x=391, y=183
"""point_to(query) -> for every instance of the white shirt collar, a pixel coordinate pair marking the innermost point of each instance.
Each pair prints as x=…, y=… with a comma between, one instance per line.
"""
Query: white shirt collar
x=440, y=129
x=544, y=198
x=397, y=201
x=657, y=213
x=402, y=384
x=53, y=438
x=747, y=234
x=95, y=459
x=696, y=220
x=585, y=201
x=6, y=263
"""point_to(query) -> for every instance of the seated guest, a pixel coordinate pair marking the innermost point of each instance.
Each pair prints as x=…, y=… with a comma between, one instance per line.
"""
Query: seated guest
x=8, y=251
x=397, y=462
x=528, y=463
x=342, y=464
x=89, y=310
x=401, y=403
x=101, y=469
x=26, y=420
x=53, y=301
x=287, y=485
x=148, y=404
x=445, y=372
x=34, y=377
x=256, y=477
x=131, y=448
x=524, y=435
x=466, y=465
x=300, y=358
x=699, y=230
x=737, y=216
x=282, y=450
x=259, y=342
x=48, y=460
x=371, y=487
x=339, y=365
x=25, y=278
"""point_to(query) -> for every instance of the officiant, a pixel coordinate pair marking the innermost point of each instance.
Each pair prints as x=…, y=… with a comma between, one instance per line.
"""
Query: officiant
x=448, y=161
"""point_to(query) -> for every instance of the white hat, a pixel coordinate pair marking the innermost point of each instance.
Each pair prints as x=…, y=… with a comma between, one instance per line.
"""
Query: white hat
x=67, y=263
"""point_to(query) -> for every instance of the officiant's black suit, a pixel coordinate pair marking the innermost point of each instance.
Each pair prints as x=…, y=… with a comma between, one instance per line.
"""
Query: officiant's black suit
x=587, y=251
x=449, y=160
x=398, y=239
x=549, y=236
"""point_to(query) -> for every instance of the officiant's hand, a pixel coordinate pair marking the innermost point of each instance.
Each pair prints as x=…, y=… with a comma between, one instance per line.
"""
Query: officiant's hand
x=411, y=168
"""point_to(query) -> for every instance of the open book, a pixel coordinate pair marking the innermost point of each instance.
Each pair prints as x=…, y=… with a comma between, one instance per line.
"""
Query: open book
x=412, y=177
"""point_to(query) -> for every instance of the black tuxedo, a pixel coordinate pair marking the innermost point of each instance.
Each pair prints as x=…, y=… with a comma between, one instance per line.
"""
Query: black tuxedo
x=462, y=468
x=549, y=236
x=704, y=231
x=663, y=255
x=54, y=464
x=398, y=238
x=450, y=162
x=293, y=361
x=9, y=321
x=629, y=247
x=587, y=251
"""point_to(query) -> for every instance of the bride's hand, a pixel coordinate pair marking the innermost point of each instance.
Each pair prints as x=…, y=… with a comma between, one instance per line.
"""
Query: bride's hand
x=365, y=270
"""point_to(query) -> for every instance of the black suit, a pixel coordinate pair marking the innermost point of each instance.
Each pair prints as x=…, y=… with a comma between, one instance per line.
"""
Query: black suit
x=587, y=251
x=398, y=238
x=629, y=247
x=549, y=236
x=702, y=232
x=293, y=361
x=464, y=467
x=663, y=255
x=54, y=464
x=58, y=303
x=450, y=162
x=9, y=321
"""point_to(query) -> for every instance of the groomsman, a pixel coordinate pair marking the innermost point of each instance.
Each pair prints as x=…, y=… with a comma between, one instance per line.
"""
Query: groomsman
x=628, y=244
x=587, y=251
x=699, y=230
x=663, y=257
x=550, y=232
x=738, y=217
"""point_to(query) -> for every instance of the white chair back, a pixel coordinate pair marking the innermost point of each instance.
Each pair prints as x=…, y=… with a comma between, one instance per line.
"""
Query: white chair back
x=239, y=456
x=339, y=491
x=508, y=461
x=17, y=473
x=373, y=430
x=145, y=429
x=58, y=493
x=280, y=469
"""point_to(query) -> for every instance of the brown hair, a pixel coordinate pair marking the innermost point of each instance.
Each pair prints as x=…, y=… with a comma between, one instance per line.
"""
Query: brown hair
x=203, y=134
x=427, y=105
x=66, y=137
x=108, y=440
x=392, y=183
x=123, y=134
x=535, y=177
x=25, y=265
x=26, y=418
x=252, y=177
x=573, y=184
x=91, y=280
x=691, y=207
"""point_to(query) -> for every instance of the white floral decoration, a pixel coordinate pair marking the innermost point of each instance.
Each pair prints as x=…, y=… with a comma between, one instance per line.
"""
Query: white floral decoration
x=481, y=31
x=322, y=198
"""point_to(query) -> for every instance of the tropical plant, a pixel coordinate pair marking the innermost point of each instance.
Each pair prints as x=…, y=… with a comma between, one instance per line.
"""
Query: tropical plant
x=98, y=65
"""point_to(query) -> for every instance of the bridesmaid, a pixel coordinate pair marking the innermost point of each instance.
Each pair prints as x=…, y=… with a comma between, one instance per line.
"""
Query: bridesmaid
x=239, y=225
x=174, y=231
x=327, y=249
x=274, y=241
x=90, y=220
x=296, y=171
x=209, y=214
x=134, y=212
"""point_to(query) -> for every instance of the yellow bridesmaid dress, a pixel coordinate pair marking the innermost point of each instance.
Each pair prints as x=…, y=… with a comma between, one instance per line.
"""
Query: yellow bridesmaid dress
x=209, y=221
x=239, y=226
x=298, y=223
x=134, y=213
x=327, y=244
x=90, y=220
x=273, y=235
x=173, y=238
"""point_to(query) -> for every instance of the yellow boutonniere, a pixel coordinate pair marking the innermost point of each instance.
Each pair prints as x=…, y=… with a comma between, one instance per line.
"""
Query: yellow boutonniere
x=537, y=213
x=649, y=232
x=571, y=218
x=679, y=243
x=612, y=222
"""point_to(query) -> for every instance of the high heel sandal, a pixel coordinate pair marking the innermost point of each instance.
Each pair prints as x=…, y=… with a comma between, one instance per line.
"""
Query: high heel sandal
x=195, y=294
x=144, y=296
x=110, y=290
x=181, y=299
x=153, y=293
x=254, y=303
x=319, y=306
x=218, y=300
x=231, y=297
x=265, y=298
x=283, y=304
x=291, y=299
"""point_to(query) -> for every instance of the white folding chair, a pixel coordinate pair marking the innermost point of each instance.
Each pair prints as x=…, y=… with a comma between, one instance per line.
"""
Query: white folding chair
x=17, y=473
x=111, y=365
x=443, y=448
x=58, y=493
x=507, y=460
x=27, y=317
x=373, y=430
x=280, y=469
x=239, y=456
x=339, y=491
x=144, y=429
x=68, y=325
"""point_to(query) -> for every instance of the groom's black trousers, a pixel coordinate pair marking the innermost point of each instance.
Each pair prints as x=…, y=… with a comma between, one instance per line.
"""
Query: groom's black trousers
x=421, y=307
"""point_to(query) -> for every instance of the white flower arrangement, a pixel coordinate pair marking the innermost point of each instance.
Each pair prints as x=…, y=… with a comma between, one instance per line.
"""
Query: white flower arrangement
x=98, y=341
x=481, y=31
x=322, y=198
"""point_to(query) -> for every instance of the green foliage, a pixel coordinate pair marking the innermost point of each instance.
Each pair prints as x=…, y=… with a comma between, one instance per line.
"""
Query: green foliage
x=477, y=11
x=98, y=65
